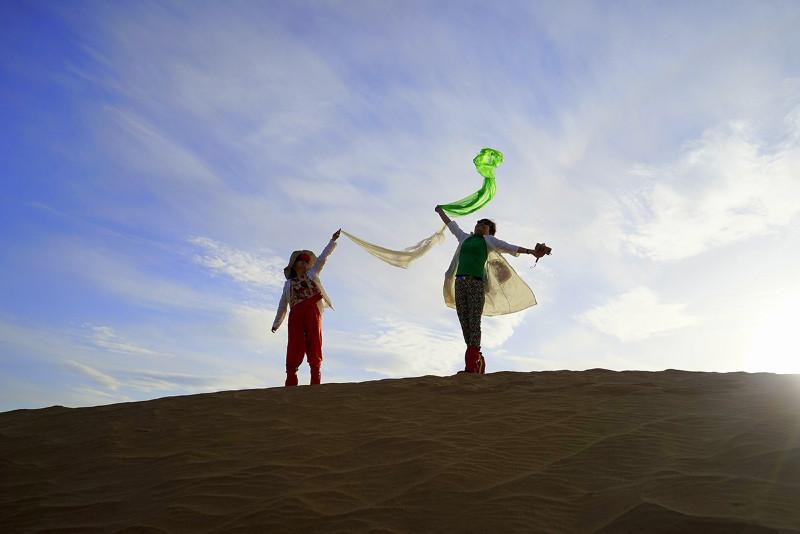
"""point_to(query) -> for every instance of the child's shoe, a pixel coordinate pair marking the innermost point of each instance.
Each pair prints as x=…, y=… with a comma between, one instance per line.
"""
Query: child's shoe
x=316, y=376
x=291, y=378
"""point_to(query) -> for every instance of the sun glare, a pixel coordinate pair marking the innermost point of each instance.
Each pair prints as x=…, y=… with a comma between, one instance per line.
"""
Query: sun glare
x=775, y=343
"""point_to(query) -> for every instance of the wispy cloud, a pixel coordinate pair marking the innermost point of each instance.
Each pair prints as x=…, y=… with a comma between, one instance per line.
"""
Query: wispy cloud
x=496, y=331
x=397, y=347
x=239, y=265
x=637, y=315
x=232, y=360
x=157, y=156
x=131, y=278
x=33, y=340
x=149, y=381
x=96, y=376
x=104, y=337
x=726, y=187
x=87, y=395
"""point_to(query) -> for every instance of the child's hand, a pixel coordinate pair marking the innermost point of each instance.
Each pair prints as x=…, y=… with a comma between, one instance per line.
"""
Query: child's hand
x=438, y=209
x=335, y=235
x=273, y=330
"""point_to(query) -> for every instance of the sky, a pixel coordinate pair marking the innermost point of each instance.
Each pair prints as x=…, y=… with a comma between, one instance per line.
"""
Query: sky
x=159, y=161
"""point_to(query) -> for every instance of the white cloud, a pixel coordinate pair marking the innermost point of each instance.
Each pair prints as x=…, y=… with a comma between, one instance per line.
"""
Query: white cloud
x=238, y=264
x=99, y=377
x=149, y=381
x=726, y=187
x=495, y=331
x=156, y=156
x=131, y=279
x=104, y=337
x=263, y=90
x=86, y=395
x=397, y=347
x=33, y=340
x=636, y=315
x=232, y=361
x=581, y=347
x=145, y=380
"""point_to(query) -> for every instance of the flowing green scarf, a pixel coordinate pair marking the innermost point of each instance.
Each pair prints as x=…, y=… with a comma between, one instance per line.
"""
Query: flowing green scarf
x=485, y=162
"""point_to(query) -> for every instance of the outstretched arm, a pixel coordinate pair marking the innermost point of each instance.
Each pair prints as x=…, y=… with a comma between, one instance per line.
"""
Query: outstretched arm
x=502, y=246
x=320, y=263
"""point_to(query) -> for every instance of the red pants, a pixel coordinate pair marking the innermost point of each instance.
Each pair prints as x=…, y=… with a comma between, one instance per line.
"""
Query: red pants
x=305, y=338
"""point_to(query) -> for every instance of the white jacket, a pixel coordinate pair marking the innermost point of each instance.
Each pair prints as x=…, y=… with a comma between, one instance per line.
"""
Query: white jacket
x=313, y=274
x=505, y=291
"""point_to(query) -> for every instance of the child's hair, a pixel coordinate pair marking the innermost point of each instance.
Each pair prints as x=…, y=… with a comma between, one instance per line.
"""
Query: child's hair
x=490, y=224
x=292, y=272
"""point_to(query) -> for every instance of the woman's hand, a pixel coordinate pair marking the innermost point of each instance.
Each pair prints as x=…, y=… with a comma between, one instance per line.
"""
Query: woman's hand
x=442, y=214
x=335, y=235
x=541, y=250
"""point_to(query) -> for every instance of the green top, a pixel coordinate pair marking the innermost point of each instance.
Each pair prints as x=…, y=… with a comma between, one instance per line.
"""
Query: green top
x=473, y=255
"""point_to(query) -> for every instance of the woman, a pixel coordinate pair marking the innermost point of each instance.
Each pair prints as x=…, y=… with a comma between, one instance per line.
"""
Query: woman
x=469, y=268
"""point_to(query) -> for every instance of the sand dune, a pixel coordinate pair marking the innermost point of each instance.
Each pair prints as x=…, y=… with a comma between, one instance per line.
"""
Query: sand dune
x=591, y=451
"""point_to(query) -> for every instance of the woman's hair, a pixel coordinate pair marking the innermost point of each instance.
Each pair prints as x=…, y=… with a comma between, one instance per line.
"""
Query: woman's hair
x=490, y=223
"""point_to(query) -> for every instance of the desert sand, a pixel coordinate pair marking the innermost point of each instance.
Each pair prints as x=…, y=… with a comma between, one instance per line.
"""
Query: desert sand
x=590, y=451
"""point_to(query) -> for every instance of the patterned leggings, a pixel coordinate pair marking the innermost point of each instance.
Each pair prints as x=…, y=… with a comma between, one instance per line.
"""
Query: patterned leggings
x=469, y=306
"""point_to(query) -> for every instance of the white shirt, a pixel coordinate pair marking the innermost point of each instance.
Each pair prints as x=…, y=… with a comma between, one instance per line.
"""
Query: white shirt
x=312, y=274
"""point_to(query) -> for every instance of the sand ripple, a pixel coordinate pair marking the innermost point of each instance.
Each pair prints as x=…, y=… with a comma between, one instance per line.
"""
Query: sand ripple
x=592, y=451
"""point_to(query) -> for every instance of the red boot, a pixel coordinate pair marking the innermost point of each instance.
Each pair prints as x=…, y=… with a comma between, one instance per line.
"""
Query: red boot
x=471, y=359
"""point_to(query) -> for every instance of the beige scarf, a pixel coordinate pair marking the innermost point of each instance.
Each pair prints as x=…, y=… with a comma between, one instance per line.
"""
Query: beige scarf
x=506, y=292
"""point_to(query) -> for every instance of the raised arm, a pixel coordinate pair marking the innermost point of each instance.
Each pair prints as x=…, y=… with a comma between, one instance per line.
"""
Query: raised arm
x=445, y=219
x=320, y=263
x=452, y=225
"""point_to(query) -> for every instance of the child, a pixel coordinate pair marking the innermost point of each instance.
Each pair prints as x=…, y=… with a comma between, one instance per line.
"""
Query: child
x=469, y=267
x=304, y=293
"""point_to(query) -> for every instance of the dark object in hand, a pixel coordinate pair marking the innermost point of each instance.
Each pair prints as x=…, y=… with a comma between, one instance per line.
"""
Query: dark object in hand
x=542, y=250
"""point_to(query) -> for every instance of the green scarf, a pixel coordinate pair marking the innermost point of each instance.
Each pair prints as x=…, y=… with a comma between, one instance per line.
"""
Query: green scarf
x=485, y=162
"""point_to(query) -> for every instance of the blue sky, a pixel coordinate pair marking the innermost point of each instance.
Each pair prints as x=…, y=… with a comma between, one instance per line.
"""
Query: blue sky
x=159, y=162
